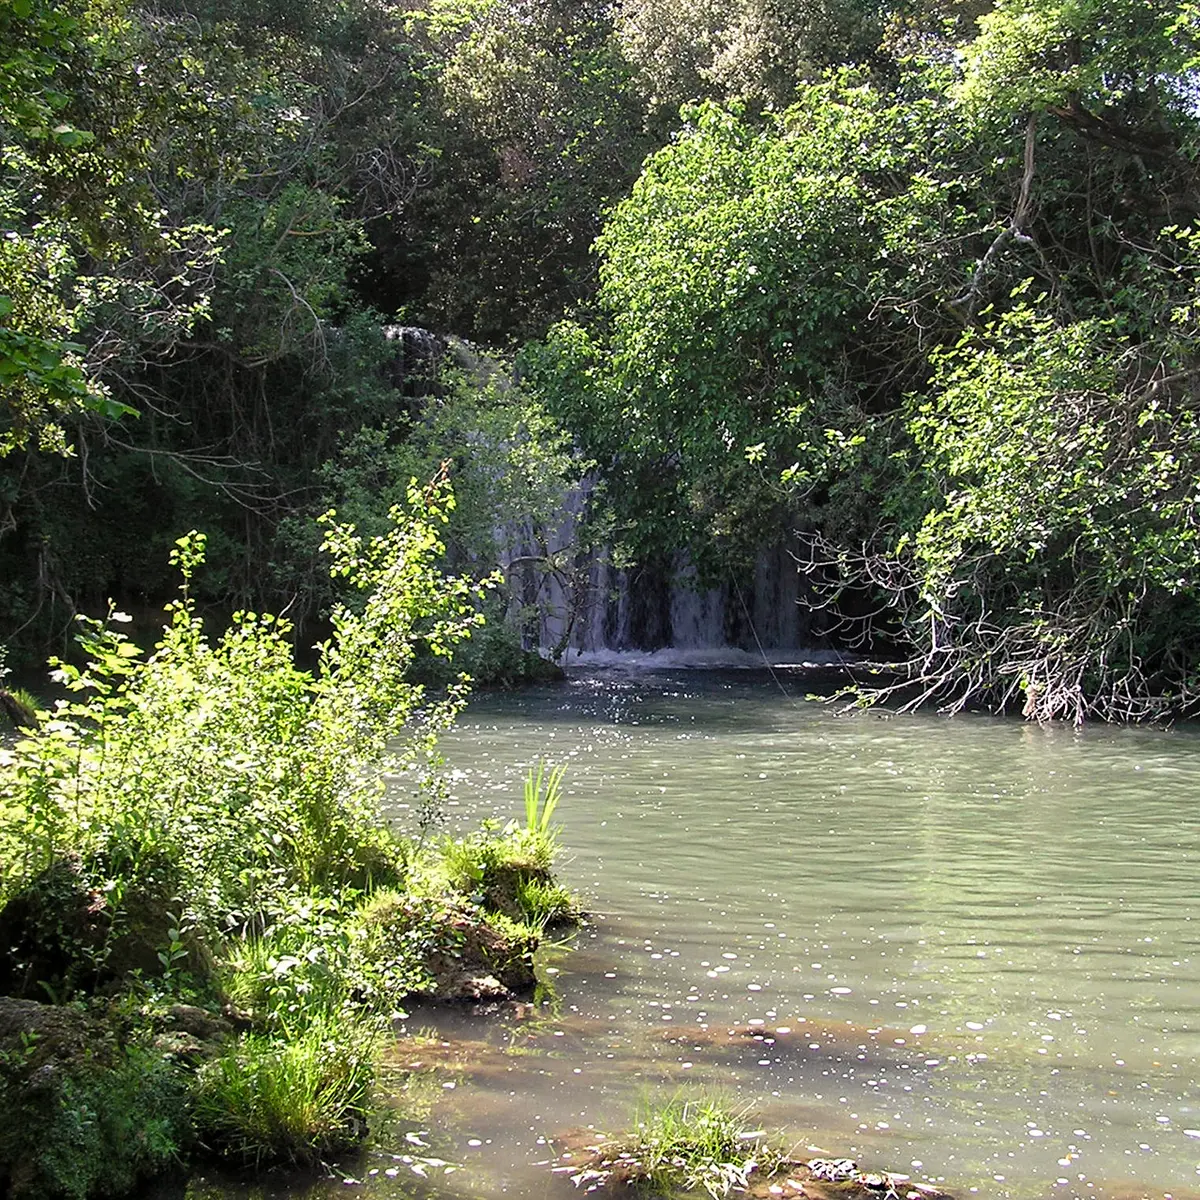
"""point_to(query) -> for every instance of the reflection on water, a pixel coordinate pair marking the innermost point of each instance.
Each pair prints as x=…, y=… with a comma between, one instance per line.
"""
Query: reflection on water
x=963, y=948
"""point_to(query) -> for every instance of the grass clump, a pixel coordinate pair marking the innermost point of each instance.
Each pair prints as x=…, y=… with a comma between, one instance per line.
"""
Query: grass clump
x=540, y=802
x=691, y=1143
x=508, y=870
x=295, y=1101
x=544, y=903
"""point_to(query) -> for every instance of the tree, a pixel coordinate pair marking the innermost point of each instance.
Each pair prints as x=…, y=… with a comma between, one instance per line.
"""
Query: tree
x=183, y=246
x=535, y=128
x=945, y=329
x=759, y=51
x=85, y=243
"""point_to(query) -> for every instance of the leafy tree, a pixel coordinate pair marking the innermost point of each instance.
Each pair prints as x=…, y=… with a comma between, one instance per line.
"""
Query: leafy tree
x=85, y=245
x=945, y=330
x=758, y=51
x=203, y=230
x=535, y=128
x=763, y=284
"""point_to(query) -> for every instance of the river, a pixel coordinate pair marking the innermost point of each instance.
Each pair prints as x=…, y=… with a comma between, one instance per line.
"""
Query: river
x=963, y=949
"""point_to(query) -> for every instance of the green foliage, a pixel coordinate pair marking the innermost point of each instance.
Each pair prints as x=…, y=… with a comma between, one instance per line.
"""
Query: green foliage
x=513, y=469
x=476, y=862
x=1080, y=58
x=750, y=275
x=255, y=777
x=540, y=802
x=510, y=464
x=295, y=973
x=536, y=129
x=939, y=328
x=219, y=802
x=806, y=317
x=97, y=1128
x=1068, y=519
x=227, y=160
x=752, y=51
x=688, y=1143
x=90, y=265
x=507, y=871
x=297, y=1101
x=392, y=939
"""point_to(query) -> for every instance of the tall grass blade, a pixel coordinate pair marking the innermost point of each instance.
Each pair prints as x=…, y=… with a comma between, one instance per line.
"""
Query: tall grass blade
x=539, y=806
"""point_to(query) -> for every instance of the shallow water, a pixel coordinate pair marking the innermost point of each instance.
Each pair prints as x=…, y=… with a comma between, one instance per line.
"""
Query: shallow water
x=962, y=949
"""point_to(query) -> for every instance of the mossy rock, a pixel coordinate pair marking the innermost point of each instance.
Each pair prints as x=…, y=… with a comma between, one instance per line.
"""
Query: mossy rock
x=85, y=1114
x=502, y=884
x=459, y=952
x=62, y=935
x=485, y=953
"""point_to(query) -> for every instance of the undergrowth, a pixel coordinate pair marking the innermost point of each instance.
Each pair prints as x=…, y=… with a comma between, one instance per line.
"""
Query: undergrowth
x=208, y=817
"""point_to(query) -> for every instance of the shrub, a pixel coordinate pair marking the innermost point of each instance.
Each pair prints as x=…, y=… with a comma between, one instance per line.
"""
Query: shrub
x=258, y=779
x=91, y=1125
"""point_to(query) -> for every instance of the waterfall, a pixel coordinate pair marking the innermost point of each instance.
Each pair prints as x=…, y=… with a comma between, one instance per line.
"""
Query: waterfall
x=571, y=600
x=413, y=368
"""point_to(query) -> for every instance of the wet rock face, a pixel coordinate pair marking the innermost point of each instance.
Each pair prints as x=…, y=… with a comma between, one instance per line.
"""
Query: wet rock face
x=413, y=369
x=33, y=1035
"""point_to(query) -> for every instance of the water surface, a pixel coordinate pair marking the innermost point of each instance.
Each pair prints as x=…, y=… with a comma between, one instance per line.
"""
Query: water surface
x=963, y=949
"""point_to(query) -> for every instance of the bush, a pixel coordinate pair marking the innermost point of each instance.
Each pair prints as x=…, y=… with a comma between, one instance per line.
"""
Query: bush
x=203, y=823
x=256, y=779
x=88, y=1122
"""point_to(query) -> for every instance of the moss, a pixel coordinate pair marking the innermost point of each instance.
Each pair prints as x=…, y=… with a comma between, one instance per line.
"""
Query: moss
x=466, y=952
x=86, y=1115
x=69, y=932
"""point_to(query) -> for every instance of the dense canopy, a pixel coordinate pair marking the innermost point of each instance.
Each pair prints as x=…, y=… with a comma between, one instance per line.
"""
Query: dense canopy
x=911, y=285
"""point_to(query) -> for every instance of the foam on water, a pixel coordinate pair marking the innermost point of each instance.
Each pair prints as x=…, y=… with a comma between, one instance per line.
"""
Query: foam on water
x=707, y=659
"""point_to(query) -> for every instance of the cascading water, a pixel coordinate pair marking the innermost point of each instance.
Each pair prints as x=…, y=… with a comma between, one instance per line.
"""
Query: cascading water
x=575, y=603
x=572, y=602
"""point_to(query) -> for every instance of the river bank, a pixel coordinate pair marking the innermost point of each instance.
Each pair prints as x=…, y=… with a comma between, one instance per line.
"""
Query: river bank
x=208, y=924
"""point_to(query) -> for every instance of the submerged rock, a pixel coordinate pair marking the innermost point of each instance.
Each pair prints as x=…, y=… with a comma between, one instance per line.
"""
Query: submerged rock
x=614, y=1166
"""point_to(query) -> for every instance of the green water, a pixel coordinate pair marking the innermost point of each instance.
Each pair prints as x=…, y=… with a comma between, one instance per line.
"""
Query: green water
x=962, y=949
